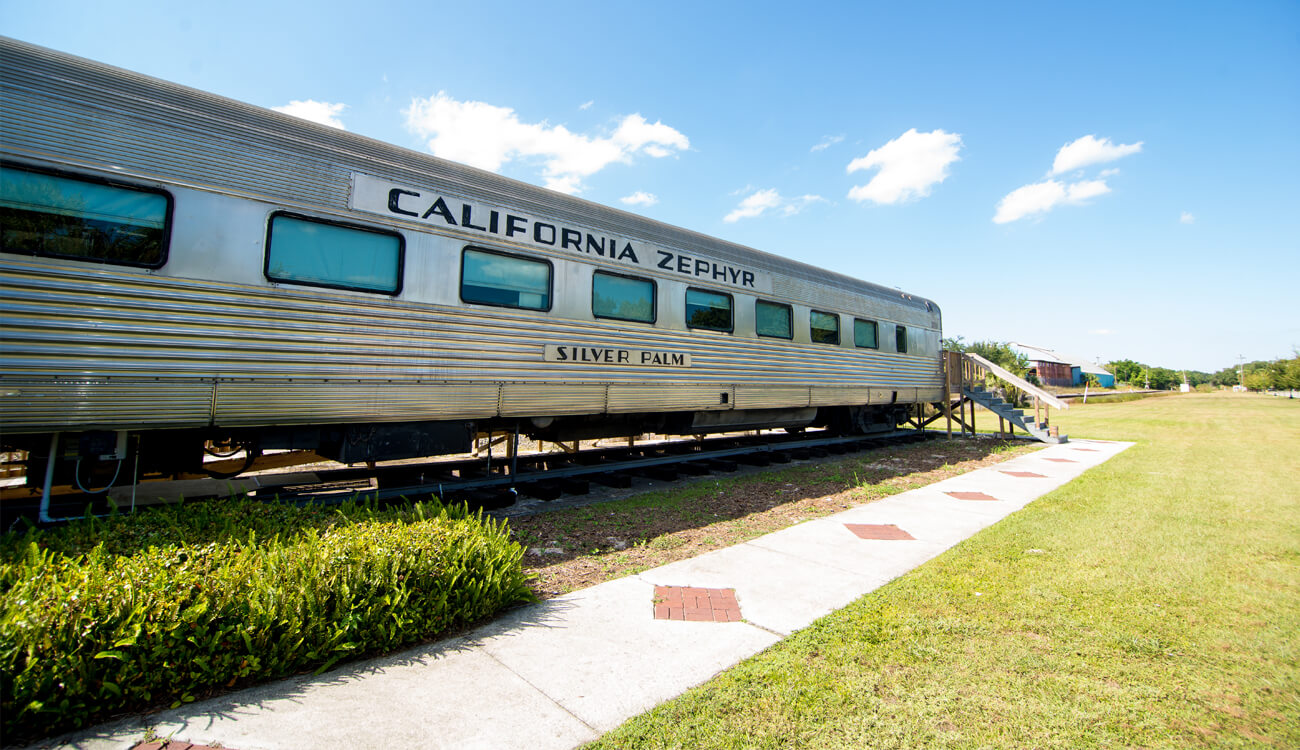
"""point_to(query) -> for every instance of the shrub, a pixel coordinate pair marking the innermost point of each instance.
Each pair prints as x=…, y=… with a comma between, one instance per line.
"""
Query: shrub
x=105, y=616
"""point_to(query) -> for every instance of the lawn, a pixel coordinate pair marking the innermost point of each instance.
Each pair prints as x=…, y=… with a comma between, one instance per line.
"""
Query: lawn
x=1153, y=602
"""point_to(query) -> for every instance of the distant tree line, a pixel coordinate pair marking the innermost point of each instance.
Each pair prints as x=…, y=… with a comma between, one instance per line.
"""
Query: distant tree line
x=999, y=353
x=1279, y=374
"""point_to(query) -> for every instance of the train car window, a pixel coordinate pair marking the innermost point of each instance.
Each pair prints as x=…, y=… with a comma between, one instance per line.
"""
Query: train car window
x=65, y=216
x=622, y=297
x=314, y=252
x=710, y=310
x=865, y=334
x=825, y=327
x=773, y=319
x=488, y=277
x=900, y=339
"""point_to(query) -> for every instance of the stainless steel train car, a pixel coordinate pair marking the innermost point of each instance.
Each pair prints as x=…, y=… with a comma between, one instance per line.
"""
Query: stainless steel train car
x=178, y=269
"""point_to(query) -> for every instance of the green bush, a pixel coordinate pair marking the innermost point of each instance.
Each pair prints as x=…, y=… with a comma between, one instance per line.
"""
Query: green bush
x=105, y=616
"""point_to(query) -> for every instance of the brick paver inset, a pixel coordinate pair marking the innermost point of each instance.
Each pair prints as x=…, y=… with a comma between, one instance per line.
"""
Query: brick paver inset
x=971, y=496
x=1062, y=460
x=1025, y=474
x=886, y=531
x=696, y=604
x=172, y=745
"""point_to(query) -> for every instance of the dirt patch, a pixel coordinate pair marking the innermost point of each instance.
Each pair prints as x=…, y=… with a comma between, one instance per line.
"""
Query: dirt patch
x=578, y=547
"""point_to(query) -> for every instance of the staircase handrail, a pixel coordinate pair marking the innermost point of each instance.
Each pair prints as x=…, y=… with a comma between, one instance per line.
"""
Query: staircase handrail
x=1017, y=381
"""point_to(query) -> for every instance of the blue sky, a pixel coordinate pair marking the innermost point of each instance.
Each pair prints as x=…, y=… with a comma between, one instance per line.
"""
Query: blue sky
x=1111, y=180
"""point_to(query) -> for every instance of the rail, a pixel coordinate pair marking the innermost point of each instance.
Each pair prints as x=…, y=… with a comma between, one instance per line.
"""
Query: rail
x=964, y=371
x=978, y=366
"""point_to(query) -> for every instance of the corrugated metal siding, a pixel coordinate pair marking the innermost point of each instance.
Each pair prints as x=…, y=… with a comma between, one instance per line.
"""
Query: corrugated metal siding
x=525, y=399
x=33, y=405
x=668, y=396
x=770, y=396
x=277, y=347
x=1056, y=374
x=282, y=402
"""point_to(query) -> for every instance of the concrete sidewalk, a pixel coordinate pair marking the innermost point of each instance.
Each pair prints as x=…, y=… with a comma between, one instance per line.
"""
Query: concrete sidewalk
x=561, y=672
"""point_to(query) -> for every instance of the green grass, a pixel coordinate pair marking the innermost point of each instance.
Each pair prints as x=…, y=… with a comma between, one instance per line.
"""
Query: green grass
x=1153, y=602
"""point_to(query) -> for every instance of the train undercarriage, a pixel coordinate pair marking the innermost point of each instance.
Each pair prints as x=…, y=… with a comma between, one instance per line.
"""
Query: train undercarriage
x=96, y=460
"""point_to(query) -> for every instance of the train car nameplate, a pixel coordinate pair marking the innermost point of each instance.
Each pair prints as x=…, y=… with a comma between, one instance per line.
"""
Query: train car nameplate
x=600, y=355
x=378, y=196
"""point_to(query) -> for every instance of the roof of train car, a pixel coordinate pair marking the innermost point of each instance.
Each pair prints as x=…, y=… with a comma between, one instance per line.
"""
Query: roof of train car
x=259, y=150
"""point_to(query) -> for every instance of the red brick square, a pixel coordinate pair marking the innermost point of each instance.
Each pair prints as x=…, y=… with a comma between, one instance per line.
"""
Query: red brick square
x=1062, y=460
x=971, y=496
x=694, y=604
x=1025, y=474
x=885, y=531
x=1090, y=450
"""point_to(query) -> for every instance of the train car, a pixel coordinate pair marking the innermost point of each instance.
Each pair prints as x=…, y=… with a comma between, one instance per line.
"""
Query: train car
x=179, y=270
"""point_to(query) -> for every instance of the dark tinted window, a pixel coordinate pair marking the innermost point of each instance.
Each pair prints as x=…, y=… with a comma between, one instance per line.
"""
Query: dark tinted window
x=865, y=334
x=824, y=328
x=900, y=338
x=83, y=219
x=773, y=319
x=302, y=250
x=492, y=278
x=622, y=297
x=711, y=310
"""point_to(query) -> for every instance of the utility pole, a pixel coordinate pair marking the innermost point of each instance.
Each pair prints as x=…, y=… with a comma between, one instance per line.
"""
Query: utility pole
x=1241, y=377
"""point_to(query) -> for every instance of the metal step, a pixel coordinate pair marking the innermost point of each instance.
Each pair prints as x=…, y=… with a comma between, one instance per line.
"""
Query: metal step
x=1039, y=431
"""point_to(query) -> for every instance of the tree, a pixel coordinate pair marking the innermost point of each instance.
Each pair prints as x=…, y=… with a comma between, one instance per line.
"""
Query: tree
x=1126, y=371
x=1226, y=377
x=1001, y=354
x=1164, y=379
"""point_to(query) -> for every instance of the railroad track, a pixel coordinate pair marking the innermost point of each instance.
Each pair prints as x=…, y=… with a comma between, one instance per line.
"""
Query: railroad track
x=550, y=476
x=499, y=483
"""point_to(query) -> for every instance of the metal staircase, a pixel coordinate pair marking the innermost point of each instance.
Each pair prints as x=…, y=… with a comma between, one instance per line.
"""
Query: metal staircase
x=1041, y=431
x=967, y=374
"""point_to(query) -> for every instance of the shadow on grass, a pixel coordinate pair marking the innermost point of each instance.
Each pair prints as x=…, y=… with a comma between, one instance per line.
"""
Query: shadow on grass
x=656, y=517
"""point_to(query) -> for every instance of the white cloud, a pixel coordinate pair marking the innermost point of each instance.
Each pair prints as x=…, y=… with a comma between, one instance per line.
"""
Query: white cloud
x=826, y=143
x=323, y=113
x=1101, y=332
x=1041, y=197
x=640, y=198
x=761, y=201
x=1186, y=218
x=754, y=205
x=909, y=166
x=1090, y=150
x=486, y=136
x=795, y=205
x=587, y=104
